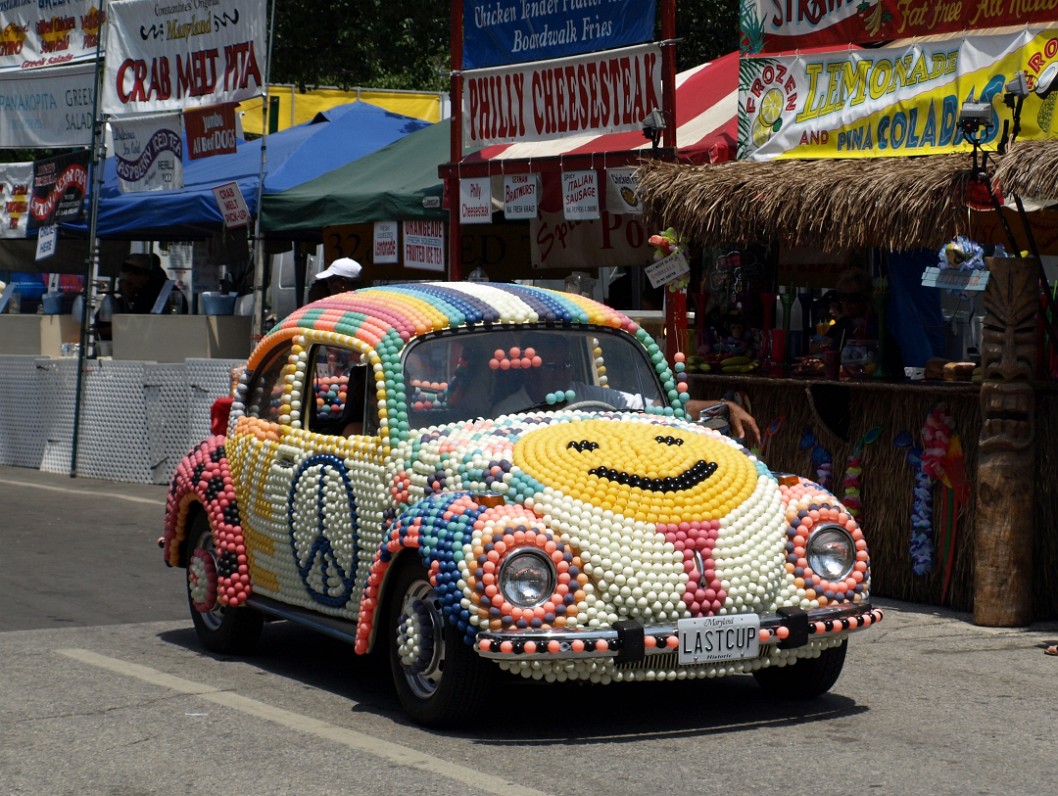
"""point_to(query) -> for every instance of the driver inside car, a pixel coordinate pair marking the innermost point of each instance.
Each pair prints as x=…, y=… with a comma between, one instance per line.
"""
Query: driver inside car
x=557, y=373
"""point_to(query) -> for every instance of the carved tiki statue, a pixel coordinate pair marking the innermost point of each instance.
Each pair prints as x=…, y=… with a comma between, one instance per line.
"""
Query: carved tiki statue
x=1007, y=447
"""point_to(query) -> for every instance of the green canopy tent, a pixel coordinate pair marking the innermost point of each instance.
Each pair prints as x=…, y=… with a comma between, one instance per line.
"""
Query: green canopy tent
x=399, y=182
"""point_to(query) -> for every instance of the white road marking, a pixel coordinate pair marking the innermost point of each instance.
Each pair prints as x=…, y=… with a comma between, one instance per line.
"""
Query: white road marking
x=86, y=492
x=391, y=752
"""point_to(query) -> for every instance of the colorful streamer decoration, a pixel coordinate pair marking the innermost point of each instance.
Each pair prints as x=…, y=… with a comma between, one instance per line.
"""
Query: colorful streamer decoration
x=921, y=544
x=822, y=459
x=854, y=472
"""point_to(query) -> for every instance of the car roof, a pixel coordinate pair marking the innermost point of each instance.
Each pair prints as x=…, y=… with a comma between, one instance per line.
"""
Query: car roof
x=416, y=309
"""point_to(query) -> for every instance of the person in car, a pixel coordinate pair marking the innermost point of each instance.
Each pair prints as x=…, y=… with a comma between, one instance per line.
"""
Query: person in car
x=555, y=375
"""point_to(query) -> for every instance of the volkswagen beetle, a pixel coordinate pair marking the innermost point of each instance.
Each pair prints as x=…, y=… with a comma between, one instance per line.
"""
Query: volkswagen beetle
x=472, y=478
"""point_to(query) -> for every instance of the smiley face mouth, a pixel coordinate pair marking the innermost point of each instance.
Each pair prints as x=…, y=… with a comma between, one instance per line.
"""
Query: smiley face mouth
x=688, y=479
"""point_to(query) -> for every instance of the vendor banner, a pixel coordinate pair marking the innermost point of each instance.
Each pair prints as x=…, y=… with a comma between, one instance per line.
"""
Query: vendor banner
x=602, y=93
x=475, y=200
x=15, y=182
x=521, y=196
x=580, y=195
x=44, y=33
x=424, y=245
x=499, y=32
x=384, y=236
x=59, y=188
x=773, y=26
x=170, y=56
x=149, y=151
x=889, y=102
x=622, y=191
x=210, y=131
x=611, y=241
x=47, y=109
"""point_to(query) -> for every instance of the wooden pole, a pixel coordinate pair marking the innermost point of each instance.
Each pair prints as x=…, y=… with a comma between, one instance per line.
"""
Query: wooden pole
x=1006, y=468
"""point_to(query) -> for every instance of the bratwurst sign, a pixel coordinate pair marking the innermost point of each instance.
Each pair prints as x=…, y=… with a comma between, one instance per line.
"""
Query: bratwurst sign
x=605, y=92
x=173, y=54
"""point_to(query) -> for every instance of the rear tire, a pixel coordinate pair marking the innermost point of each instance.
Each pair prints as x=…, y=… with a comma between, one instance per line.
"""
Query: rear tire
x=440, y=681
x=806, y=679
x=229, y=631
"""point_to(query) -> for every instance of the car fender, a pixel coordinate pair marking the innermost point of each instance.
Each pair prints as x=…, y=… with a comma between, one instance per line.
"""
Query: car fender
x=203, y=479
x=436, y=530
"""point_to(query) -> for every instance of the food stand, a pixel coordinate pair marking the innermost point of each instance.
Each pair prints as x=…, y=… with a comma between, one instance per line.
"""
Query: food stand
x=979, y=562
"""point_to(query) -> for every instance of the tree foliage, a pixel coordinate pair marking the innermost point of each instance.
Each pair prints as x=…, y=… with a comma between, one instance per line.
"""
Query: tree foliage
x=405, y=44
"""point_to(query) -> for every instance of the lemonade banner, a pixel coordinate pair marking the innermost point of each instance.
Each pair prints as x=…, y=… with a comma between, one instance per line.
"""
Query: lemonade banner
x=888, y=102
x=773, y=26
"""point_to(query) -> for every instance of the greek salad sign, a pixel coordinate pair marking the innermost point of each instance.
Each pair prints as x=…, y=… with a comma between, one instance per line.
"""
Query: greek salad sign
x=185, y=53
x=46, y=109
x=497, y=32
x=44, y=33
x=786, y=25
x=605, y=93
x=889, y=101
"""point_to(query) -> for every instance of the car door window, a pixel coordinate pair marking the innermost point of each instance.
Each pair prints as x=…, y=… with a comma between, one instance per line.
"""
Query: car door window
x=339, y=393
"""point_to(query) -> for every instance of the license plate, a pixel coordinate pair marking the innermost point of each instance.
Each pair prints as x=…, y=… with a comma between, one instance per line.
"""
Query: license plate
x=709, y=639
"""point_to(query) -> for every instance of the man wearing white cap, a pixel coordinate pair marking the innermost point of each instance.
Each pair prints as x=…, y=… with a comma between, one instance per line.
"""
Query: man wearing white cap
x=342, y=275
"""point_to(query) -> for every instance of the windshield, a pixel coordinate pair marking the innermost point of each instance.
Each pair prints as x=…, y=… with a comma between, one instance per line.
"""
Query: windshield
x=492, y=373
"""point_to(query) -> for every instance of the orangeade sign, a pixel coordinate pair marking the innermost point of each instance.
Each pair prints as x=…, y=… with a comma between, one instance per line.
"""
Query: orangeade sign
x=604, y=92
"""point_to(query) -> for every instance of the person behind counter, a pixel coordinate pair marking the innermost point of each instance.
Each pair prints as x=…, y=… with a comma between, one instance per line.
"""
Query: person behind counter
x=856, y=319
x=342, y=275
x=141, y=282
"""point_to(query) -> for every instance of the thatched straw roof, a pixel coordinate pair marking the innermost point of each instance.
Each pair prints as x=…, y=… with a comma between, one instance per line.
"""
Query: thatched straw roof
x=890, y=203
x=1030, y=168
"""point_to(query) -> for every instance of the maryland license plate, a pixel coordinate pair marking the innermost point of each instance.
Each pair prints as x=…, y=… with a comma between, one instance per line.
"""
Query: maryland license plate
x=709, y=639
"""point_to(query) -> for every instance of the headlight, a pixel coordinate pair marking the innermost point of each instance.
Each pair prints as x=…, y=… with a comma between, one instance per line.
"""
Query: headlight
x=527, y=578
x=831, y=552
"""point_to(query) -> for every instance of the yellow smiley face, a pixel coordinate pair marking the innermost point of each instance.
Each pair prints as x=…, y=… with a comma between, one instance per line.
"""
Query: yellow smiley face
x=647, y=472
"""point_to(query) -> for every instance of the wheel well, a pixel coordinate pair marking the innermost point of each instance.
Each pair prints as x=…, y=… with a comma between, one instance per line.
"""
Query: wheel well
x=405, y=557
x=194, y=511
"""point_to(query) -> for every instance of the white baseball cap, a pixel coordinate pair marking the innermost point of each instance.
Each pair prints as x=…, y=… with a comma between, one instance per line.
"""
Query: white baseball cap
x=345, y=267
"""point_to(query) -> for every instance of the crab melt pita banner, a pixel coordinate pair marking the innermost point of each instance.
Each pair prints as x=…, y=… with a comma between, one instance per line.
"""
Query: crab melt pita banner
x=171, y=56
x=889, y=102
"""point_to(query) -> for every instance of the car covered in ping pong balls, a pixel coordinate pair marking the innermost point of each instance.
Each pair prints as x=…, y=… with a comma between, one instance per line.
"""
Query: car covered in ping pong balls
x=473, y=478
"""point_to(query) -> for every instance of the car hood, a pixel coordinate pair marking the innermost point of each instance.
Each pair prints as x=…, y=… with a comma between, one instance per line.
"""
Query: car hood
x=660, y=518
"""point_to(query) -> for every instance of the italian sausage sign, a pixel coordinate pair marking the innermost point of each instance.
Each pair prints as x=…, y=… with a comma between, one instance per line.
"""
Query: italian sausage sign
x=177, y=54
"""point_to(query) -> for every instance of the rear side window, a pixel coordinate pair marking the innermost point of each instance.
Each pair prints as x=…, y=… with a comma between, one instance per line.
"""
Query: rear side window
x=265, y=394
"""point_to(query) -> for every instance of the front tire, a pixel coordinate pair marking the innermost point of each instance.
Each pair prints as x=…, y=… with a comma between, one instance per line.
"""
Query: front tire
x=440, y=681
x=805, y=679
x=229, y=631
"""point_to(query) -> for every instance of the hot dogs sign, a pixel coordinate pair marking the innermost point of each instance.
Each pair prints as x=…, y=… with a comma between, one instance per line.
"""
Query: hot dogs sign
x=184, y=53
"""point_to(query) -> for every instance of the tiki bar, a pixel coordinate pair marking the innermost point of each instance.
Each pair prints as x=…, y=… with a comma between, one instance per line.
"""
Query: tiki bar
x=941, y=457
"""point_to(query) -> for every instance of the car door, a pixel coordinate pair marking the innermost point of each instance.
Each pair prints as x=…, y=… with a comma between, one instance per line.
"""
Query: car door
x=329, y=481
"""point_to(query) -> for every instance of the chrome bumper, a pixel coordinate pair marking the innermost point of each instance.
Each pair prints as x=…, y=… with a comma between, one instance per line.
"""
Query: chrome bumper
x=628, y=641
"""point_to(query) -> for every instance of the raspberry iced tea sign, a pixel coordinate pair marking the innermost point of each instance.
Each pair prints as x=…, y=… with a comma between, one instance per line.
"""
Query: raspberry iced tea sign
x=162, y=57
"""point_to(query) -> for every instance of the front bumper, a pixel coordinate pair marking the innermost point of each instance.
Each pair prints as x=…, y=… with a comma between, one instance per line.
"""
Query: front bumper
x=630, y=642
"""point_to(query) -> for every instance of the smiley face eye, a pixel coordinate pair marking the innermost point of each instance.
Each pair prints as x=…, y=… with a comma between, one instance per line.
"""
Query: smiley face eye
x=583, y=445
x=669, y=440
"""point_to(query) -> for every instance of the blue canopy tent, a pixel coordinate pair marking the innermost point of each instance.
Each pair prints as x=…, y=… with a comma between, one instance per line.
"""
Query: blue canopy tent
x=332, y=139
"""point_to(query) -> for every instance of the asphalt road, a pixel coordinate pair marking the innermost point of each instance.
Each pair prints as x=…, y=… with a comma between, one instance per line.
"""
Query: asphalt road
x=104, y=690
